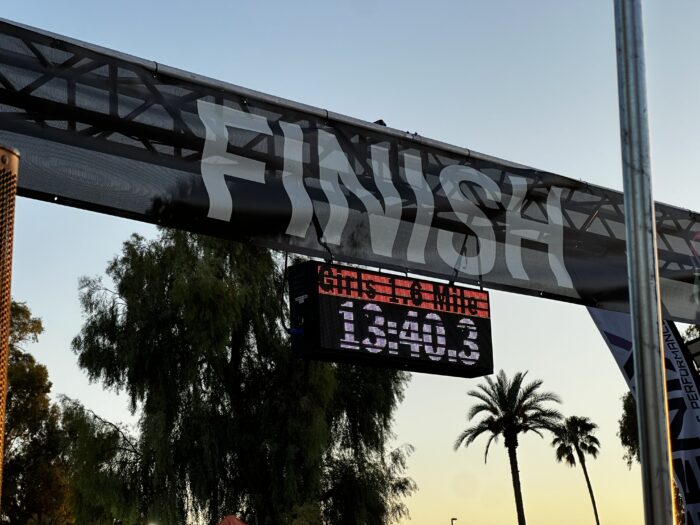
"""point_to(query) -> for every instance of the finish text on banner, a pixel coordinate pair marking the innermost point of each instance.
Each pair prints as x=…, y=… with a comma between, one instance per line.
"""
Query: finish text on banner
x=117, y=134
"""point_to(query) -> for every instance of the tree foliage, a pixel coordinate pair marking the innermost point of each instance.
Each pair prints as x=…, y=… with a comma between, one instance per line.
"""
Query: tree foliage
x=103, y=467
x=367, y=490
x=193, y=332
x=23, y=327
x=574, y=440
x=692, y=332
x=627, y=429
x=510, y=408
x=629, y=439
x=35, y=483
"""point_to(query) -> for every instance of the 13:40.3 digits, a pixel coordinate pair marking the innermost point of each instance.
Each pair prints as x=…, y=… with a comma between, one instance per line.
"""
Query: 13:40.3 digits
x=412, y=333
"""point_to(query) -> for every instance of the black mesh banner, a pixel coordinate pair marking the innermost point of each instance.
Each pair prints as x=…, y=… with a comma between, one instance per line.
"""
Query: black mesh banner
x=117, y=134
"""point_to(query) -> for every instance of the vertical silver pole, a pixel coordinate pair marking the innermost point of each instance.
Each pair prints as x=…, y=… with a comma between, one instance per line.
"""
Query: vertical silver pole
x=654, y=448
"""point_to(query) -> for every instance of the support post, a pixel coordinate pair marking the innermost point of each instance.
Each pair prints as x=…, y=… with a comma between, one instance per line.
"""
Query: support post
x=640, y=224
x=9, y=165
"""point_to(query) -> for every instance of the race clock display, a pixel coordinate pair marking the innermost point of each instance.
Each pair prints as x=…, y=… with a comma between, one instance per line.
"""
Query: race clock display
x=346, y=314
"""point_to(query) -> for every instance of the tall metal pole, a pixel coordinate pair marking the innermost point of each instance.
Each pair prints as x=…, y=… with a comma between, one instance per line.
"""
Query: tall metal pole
x=9, y=164
x=654, y=447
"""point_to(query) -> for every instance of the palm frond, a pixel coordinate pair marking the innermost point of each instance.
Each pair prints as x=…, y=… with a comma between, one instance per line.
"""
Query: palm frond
x=576, y=434
x=529, y=390
x=565, y=453
x=469, y=434
x=508, y=407
x=514, y=389
x=460, y=439
x=492, y=437
x=478, y=409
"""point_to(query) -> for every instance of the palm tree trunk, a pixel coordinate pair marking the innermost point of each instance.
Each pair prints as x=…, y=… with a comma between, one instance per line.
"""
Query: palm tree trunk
x=515, y=474
x=588, y=482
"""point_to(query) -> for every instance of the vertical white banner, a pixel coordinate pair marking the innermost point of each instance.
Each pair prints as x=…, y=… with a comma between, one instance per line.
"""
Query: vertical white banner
x=683, y=398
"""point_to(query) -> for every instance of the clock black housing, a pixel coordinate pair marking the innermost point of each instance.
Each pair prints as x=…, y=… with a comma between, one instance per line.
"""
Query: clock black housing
x=346, y=314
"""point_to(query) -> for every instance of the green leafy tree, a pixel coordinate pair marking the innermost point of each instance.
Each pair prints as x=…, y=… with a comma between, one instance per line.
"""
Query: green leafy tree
x=362, y=483
x=360, y=487
x=627, y=429
x=692, y=332
x=23, y=327
x=35, y=483
x=629, y=439
x=103, y=463
x=510, y=408
x=574, y=440
x=229, y=422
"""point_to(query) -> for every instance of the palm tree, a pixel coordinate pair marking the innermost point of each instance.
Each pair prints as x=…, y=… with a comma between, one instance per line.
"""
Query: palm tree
x=510, y=409
x=574, y=439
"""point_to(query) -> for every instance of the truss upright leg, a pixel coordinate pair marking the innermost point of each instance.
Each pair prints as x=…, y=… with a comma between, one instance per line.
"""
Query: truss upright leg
x=9, y=165
x=640, y=226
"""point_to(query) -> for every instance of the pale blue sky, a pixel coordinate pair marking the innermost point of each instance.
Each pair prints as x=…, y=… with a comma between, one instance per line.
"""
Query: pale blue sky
x=533, y=82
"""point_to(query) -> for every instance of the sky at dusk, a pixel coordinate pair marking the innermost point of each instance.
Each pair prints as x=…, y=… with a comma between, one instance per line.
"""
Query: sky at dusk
x=532, y=82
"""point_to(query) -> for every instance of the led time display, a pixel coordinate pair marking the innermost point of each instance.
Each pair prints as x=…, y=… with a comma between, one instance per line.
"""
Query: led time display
x=347, y=314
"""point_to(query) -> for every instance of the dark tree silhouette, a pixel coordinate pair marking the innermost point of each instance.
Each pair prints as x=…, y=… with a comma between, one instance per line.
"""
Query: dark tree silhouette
x=574, y=440
x=35, y=482
x=509, y=409
x=192, y=329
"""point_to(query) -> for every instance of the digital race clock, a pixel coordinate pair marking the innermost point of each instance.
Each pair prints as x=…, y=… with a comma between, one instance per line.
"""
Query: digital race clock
x=346, y=314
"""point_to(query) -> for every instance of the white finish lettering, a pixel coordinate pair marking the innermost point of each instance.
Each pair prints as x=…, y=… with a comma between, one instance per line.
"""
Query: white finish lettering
x=390, y=195
x=473, y=217
x=425, y=207
x=217, y=162
x=334, y=170
x=293, y=180
x=384, y=212
x=550, y=233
